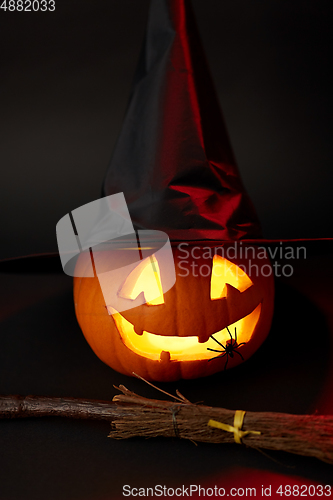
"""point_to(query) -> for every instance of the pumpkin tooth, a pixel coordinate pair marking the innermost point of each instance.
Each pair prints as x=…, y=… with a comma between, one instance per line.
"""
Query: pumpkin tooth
x=203, y=337
x=165, y=356
x=138, y=330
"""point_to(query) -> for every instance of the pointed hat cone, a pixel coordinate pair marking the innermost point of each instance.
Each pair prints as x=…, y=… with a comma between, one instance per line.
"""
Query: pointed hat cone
x=173, y=159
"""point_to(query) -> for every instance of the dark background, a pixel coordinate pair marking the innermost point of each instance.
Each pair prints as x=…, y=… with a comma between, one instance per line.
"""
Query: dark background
x=64, y=85
x=65, y=82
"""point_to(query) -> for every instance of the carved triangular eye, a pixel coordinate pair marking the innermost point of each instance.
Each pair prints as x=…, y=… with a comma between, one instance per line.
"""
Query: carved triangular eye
x=224, y=272
x=146, y=278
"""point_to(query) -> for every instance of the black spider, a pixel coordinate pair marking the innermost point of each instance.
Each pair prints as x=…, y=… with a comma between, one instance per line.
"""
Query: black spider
x=229, y=348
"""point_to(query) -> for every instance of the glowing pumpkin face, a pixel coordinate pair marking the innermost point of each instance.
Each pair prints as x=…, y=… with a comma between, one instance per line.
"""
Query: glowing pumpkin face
x=174, y=335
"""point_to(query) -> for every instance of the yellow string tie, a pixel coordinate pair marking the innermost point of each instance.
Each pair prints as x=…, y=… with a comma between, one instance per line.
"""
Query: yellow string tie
x=236, y=428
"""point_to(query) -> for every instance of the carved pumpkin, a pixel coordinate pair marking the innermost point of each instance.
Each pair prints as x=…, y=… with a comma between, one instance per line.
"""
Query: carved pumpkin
x=171, y=336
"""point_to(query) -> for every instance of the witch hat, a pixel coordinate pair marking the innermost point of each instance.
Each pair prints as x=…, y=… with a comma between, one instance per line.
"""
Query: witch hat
x=173, y=160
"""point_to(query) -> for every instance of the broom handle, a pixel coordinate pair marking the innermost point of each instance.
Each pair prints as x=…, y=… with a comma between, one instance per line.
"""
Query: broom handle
x=38, y=406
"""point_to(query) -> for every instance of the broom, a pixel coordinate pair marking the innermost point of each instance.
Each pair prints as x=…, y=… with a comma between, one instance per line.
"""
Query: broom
x=133, y=415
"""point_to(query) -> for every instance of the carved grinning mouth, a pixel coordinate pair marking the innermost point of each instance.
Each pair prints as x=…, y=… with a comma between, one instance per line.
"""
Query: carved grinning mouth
x=174, y=348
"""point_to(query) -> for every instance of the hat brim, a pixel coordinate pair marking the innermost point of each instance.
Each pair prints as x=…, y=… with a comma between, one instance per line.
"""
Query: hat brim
x=49, y=263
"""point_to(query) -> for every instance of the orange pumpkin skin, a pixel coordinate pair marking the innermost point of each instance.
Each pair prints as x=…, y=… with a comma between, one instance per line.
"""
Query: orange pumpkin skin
x=102, y=333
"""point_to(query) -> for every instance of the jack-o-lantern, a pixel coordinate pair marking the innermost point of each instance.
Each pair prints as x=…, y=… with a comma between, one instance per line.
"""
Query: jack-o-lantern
x=215, y=316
